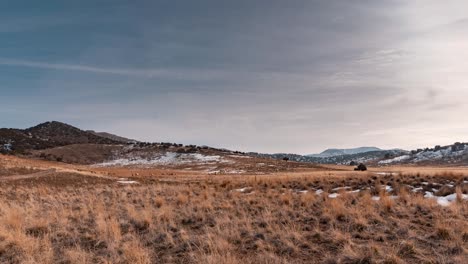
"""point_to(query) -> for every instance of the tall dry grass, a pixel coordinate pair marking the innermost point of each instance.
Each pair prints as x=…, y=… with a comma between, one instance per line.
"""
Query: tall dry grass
x=275, y=221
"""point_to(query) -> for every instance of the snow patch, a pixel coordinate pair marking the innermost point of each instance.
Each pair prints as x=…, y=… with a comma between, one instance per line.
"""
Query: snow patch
x=170, y=158
x=127, y=182
x=243, y=190
x=341, y=188
x=386, y=173
x=445, y=200
x=388, y=188
x=7, y=147
x=394, y=160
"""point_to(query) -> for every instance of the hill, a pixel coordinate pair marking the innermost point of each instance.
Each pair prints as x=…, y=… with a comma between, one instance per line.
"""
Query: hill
x=340, y=152
x=455, y=154
x=370, y=157
x=47, y=135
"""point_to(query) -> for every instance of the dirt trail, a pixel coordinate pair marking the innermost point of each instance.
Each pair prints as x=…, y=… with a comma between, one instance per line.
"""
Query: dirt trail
x=52, y=171
x=27, y=176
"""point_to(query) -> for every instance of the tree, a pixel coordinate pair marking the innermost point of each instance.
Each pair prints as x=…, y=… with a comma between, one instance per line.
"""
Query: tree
x=457, y=146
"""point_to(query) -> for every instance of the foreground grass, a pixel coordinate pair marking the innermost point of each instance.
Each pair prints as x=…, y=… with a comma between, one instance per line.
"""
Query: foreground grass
x=213, y=222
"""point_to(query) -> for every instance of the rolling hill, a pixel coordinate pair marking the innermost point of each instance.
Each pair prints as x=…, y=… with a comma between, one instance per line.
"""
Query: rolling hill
x=47, y=135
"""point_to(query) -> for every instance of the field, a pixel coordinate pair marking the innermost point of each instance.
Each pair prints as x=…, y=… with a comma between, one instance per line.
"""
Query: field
x=58, y=213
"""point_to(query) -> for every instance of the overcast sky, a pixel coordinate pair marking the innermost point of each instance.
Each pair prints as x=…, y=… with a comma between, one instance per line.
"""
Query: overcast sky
x=254, y=75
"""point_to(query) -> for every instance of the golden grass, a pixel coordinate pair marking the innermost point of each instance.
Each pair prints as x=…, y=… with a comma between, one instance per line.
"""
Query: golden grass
x=272, y=221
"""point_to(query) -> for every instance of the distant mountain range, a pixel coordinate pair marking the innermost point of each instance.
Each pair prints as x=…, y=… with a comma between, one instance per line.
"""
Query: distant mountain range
x=340, y=152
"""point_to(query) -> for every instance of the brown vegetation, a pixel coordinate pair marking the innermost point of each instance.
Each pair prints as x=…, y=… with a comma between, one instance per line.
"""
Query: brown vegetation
x=244, y=219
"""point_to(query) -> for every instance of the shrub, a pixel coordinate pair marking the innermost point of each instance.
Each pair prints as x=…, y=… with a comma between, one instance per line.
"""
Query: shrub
x=361, y=167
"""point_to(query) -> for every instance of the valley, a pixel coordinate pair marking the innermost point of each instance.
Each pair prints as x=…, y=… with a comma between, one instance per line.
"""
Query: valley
x=78, y=199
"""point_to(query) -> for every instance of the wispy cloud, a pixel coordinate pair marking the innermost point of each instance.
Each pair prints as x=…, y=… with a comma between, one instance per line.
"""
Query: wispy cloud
x=84, y=68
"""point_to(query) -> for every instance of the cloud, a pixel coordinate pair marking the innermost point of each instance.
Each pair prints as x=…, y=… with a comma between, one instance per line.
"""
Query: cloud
x=252, y=75
x=83, y=68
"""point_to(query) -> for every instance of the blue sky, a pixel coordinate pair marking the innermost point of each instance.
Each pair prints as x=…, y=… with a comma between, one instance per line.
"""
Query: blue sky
x=270, y=76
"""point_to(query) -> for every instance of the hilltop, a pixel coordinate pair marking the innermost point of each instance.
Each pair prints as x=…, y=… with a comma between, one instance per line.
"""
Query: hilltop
x=47, y=135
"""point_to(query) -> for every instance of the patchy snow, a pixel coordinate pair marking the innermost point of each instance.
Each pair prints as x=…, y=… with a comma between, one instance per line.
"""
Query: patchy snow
x=439, y=154
x=127, y=182
x=446, y=153
x=319, y=191
x=428, y=195
x=394, y=160
x=417, y=189
x=243, y=190
x=341, y=188
x=375, y=198
x=388, y=188
x=333, y=195
x=386, y=173
x=7, y=147
x=235, y=171
x=226, y=171
x=170, y=158
x=445, y=200
x=239, y=156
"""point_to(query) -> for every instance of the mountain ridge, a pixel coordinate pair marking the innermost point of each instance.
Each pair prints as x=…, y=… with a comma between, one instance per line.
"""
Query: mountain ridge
x=112, y=136
x=333, y=152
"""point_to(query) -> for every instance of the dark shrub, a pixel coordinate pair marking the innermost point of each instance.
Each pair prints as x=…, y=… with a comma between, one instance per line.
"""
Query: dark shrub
x=361, y=167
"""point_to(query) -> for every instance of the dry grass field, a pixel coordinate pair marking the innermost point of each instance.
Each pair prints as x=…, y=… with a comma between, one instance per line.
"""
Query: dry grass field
x=330, y=215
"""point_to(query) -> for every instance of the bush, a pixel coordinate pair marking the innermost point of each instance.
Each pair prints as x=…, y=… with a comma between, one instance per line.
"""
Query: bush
x=361, y=167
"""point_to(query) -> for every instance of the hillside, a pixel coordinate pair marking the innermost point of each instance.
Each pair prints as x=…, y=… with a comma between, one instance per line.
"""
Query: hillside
x=371, y=157
x=455, y=154
x=47, y=135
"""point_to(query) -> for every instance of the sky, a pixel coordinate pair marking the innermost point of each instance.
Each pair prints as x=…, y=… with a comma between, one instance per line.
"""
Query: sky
x=270, y=76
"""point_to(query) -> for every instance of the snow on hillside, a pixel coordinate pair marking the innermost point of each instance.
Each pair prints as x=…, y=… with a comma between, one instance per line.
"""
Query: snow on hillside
x=437, y=155
x=7, y=147
x=170, y=158
x=395, y=160
x=453, y=153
